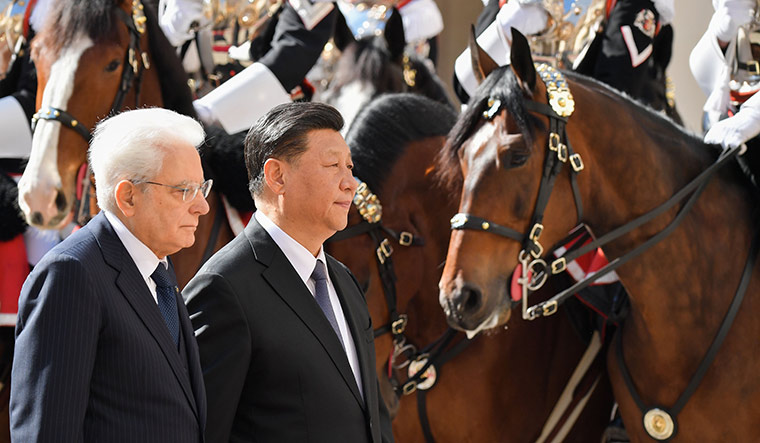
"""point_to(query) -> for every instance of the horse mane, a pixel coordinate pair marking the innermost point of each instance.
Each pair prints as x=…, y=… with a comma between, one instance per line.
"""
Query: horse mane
x=381, y=132
x=367, y=59
x=175, y=92
x=503, y=84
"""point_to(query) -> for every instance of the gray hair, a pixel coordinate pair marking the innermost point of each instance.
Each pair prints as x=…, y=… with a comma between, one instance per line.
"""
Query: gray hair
x=132, y=146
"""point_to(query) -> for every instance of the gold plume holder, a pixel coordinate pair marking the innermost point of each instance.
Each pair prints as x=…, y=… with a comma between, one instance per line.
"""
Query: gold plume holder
x=560, y=98
x=367, y=203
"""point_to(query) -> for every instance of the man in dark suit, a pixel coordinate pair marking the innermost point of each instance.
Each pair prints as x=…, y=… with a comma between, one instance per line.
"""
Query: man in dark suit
x=287, y=349
x=105, y=350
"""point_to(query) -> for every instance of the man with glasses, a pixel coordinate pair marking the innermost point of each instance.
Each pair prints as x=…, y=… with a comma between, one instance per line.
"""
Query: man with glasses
x=104, y=347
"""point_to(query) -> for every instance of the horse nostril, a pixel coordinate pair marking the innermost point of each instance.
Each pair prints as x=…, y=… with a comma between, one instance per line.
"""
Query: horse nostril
x=469, y=300
x=37, y=218
x=60, y=201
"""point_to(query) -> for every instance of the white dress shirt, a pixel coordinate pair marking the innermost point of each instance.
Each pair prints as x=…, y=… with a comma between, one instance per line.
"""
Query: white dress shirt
x=145, y=260
x=303, y=262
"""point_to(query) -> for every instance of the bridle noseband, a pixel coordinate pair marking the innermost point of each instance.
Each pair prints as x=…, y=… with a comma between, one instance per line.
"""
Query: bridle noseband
x=131, y=74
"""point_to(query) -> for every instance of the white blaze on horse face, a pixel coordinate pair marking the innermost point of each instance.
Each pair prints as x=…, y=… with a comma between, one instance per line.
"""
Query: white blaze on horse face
x=41, y=182
x=484, y=143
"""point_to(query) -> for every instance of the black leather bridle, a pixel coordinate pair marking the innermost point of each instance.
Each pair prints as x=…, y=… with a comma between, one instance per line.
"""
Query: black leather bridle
x=131, y=75
x=660, y=422
x=432, y=356
x=370, y=209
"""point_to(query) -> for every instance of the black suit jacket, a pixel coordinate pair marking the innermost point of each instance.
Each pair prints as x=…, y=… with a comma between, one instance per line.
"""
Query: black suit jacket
x=94, y=360
x=274, y=368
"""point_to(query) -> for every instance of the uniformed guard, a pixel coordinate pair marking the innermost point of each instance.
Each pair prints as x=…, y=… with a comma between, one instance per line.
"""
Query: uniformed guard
x=625, y=44
x=725, y=69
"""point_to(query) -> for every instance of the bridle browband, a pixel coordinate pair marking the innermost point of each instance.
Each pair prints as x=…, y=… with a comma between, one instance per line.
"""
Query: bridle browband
x=659, y=422
x=131, y=74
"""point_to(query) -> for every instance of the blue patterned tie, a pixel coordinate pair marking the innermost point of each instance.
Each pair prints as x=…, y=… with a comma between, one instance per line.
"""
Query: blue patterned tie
x=166, y=287
x=323, y=297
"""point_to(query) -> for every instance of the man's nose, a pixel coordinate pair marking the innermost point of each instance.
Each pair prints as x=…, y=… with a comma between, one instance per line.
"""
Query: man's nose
x=349, y=181
x=199, y=204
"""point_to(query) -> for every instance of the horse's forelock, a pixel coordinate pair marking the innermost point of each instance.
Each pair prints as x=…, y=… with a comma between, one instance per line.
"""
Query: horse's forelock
x=67, y=19
x=501, y=84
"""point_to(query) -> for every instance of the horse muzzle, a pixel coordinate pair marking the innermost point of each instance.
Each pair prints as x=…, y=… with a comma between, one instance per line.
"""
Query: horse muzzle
x=44, y=207
x=468, y=309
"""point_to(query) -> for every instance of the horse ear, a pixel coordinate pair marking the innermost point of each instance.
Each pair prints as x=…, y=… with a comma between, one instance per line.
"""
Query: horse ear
x=482, y=63
x=522, y=62
x=342, y=35
x=394, y=35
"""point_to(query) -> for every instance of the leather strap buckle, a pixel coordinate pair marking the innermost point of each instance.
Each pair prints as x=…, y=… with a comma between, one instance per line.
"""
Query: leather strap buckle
x=398, y=326
x=405, y=238
x=384, y=251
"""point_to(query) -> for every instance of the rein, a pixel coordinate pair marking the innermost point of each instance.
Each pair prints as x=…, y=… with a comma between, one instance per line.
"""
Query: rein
x=659, y=422
x=131, y=75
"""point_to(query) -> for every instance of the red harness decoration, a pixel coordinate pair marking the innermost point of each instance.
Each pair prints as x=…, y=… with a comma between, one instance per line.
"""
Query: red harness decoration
x=587, y=264
x=580, y=268
x=14, y=268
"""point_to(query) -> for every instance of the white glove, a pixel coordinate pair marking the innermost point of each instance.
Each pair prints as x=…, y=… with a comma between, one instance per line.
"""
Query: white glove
x=527, y=17
x=179, y=19
x=729, y=16
x=737, y=130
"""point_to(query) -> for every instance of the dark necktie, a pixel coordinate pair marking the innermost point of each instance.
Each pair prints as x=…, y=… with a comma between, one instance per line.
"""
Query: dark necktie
x=323, y=296
x=166, y=287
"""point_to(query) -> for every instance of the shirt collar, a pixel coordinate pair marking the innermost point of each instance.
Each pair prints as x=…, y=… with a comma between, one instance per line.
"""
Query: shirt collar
x=143, y=257
x=296, y=253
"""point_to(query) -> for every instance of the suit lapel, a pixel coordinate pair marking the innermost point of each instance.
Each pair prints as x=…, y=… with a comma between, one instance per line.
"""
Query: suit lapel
x=345, y=288
x=134, y=289
x=289, y=286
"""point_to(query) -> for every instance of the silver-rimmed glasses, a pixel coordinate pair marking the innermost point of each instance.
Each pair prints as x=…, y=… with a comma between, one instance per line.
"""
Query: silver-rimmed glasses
x=188, y=191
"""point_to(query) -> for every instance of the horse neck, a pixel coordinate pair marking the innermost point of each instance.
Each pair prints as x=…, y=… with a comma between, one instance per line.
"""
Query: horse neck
x=633, y=168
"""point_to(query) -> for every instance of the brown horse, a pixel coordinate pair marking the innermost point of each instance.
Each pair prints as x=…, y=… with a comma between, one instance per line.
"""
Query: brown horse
x=479, y=395
x=93, y=59
x=669, y=371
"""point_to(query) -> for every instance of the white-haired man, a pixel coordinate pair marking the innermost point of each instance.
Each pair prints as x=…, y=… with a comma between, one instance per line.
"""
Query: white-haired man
x=104, y=346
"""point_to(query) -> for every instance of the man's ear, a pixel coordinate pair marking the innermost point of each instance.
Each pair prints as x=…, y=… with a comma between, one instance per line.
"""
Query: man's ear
x=124, y=194
x=274, y=175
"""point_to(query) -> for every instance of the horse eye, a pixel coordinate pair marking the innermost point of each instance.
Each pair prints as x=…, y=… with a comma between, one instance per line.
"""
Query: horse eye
x=114, y=65
x=518, y=159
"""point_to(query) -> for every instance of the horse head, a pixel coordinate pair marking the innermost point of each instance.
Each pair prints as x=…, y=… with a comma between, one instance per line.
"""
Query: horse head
x=375, y=64
x=498, y=147
x=92, y=59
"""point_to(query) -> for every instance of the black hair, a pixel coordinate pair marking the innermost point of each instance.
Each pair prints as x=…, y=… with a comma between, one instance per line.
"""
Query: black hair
x=282, y=133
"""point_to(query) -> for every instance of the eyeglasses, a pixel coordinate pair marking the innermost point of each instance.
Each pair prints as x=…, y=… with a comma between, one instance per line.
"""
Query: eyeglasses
x=188, y=192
